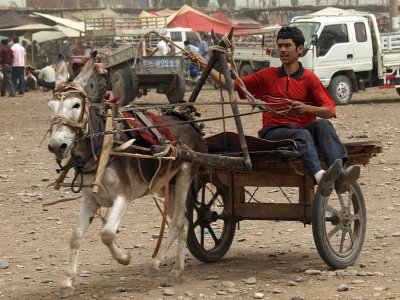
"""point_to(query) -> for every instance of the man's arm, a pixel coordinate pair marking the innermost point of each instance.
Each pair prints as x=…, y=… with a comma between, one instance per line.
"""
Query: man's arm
x=216, y=76
x=322, y=111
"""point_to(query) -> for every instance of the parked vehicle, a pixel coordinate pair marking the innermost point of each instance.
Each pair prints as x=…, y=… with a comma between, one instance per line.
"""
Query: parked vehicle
x=130, y=72
x=253, y=52
x=347, y=52
x=98, y=82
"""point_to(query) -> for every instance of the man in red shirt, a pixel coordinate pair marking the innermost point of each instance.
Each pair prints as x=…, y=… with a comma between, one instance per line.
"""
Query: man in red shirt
x=296, y=98
x=6, y=59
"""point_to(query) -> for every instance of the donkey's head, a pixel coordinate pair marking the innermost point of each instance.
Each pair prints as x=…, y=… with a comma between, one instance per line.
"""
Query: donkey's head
x=69, y=108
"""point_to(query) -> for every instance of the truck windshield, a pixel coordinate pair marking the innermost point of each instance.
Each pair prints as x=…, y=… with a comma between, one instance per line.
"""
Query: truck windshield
x=308, y=29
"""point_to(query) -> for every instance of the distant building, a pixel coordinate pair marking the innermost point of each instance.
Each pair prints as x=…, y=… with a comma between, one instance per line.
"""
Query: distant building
x=60, y=4
x=37, y=4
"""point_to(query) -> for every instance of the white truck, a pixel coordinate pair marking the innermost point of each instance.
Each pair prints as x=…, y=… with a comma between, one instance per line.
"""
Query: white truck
x=347, y=52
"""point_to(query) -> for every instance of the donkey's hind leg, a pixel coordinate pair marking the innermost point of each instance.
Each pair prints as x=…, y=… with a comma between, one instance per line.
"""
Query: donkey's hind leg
x=88, y=210
x=179, y=226
x=109, y=230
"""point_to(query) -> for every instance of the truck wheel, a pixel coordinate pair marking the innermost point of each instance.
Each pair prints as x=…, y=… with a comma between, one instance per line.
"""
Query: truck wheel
x=121, y=86
x=178, y=92
x=341, y=89
x=398, y=91
x=245, y=70
x=96, y=87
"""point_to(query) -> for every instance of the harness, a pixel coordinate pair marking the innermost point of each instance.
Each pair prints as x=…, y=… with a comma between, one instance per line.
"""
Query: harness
x=80, y=128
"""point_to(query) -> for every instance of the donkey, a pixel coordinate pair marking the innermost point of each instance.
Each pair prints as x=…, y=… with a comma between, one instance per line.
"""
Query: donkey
x=73, y=134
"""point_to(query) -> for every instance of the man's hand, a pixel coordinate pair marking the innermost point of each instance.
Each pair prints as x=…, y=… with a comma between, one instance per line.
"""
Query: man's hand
x=197, y=59
x=322, y=112
x=300, y=107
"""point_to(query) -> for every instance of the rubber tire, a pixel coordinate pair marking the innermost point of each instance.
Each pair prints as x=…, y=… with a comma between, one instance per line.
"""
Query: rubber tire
x=398, y=91
x=341, y=89
x=96, y=87
x=122, y=86
x=178, y=92
x=245, y=70
x=325, y=248
x=225, y=238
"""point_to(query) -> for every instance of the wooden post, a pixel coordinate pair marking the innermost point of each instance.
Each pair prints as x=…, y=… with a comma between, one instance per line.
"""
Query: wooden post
x=105, y=152
x=224, y=69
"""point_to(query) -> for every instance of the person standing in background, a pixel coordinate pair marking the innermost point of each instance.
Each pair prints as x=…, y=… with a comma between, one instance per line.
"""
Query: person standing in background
x=203, y=47
x=18, y=66
x=65, y=49
x=6, y=58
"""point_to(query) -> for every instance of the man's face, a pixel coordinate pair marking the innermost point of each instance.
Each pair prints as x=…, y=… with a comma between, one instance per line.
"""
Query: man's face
x=288, y=51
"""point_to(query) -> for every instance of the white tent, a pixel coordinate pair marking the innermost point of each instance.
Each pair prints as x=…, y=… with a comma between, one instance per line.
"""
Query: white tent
x=79, y=26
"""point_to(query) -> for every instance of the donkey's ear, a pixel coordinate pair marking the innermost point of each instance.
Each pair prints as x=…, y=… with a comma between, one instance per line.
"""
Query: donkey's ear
x=61, y=69
x=83, y=76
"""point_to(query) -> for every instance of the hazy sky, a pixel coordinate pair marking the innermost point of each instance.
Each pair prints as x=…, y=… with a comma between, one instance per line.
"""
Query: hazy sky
x=20, y=3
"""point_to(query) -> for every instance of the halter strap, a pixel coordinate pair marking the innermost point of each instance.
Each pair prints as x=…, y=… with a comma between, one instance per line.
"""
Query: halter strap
x=62, y=93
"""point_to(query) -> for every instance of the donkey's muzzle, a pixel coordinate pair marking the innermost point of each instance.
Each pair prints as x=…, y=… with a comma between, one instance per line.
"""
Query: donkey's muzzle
x=59, y=149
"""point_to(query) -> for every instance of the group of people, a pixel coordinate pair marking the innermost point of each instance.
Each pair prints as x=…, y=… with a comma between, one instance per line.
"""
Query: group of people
x=17, y=76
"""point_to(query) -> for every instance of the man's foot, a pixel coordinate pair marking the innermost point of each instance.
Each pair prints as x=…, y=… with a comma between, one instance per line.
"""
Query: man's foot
x=347, y=178
x=325, y=185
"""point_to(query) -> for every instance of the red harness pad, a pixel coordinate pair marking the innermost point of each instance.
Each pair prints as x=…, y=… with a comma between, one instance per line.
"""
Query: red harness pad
x=226, y=142
x=145, y=133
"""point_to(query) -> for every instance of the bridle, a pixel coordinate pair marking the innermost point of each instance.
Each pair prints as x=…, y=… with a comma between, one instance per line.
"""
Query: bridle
x=62, y=93
x=80, y=127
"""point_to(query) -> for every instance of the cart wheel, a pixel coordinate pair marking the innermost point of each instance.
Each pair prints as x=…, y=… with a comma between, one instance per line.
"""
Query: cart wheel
x=339, y=224
x=211, y=226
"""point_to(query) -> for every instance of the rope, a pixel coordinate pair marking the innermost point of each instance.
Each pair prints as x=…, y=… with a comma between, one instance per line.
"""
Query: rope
x=166, y=200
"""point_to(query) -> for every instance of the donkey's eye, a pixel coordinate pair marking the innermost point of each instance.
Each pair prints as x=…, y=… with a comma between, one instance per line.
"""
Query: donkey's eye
x=76, y=105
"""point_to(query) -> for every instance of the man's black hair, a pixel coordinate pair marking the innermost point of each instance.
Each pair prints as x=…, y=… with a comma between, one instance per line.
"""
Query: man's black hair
x=4, y=42
x=16, y=40
x=293, y=33
x=187, y=42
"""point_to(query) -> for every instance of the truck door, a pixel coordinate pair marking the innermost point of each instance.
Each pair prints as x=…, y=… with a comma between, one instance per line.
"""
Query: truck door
x=362, y=50
x=333, y=52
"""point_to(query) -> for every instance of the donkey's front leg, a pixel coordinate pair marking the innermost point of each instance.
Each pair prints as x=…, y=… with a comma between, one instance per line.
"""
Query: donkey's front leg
x=109, y=231
x=88, y=210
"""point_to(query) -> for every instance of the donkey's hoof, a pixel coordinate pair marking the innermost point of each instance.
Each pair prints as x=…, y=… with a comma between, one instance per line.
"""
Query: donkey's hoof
x=151, y=272
x=66, y=292
x=172, y=281
x=124, y=259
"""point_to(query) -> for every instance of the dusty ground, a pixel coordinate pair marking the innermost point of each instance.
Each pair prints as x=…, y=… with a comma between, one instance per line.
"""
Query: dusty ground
x=34, y=241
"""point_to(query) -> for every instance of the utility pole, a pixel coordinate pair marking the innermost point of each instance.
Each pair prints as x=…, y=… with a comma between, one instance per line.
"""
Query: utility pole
x=393, y=13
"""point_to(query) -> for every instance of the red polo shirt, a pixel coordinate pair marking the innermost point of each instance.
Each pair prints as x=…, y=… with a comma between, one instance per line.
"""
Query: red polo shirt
x=277, y=89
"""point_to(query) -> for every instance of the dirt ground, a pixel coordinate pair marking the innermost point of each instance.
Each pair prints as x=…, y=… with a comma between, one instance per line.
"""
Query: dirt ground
x=267, y=259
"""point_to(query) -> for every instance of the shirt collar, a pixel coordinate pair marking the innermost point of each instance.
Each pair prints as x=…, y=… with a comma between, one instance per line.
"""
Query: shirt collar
x=296, y=75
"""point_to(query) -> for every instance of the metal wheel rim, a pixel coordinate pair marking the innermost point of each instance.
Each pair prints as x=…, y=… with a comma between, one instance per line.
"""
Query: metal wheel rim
x=343, y=223
x=343, y=91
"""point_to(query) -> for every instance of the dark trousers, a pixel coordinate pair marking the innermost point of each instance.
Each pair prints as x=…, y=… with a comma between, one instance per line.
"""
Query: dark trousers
x=318, y=135
x=7, y=84
x=18, y=78
x=47, y=85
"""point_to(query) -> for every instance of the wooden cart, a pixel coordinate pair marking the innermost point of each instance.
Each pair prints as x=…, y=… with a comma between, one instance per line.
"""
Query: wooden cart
x=237, y=166
x=220, y=197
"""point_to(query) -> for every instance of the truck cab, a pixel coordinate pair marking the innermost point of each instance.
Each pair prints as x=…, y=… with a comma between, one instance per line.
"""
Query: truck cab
x=342, y=54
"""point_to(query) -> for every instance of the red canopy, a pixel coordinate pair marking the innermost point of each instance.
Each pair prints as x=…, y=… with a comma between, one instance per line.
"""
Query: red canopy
x=190, y=19
x=220, y=16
